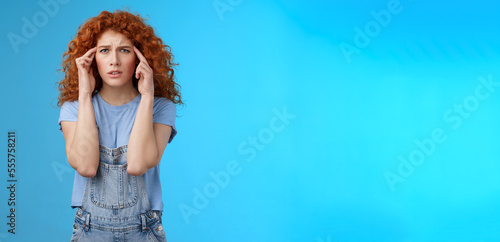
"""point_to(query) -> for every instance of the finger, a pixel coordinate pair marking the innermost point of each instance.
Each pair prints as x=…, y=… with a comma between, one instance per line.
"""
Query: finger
x=137, y=72
x=87, y=59
x=140, y=70
x=91, y=60
x=90, y=52
x=145, y=67
x=139, y=55
x=82, y=62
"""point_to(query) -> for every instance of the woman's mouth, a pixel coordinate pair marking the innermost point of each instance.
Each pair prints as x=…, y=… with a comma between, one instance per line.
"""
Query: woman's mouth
x=114, y=74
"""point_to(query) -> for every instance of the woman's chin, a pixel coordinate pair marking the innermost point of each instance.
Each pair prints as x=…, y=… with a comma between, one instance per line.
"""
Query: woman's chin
x=116, y=82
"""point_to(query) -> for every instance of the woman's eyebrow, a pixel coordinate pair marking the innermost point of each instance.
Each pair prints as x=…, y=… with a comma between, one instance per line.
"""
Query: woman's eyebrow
x=108, y=46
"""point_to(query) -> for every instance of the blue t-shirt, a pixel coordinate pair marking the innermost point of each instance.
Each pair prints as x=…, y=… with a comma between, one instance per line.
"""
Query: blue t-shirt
x=115, y=124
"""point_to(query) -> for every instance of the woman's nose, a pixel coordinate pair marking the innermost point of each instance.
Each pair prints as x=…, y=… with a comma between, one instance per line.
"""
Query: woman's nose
x=114, y=59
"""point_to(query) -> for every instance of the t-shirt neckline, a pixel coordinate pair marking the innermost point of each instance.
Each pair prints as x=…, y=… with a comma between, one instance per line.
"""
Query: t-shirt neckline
x=123, y=106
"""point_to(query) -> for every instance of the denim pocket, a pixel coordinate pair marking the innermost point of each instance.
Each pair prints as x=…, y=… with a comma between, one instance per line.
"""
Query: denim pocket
x=157, y=231
x=77, y=231
x=113, y=187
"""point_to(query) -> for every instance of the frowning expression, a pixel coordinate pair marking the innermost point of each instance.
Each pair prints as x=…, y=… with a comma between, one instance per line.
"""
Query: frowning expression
x=115, y=58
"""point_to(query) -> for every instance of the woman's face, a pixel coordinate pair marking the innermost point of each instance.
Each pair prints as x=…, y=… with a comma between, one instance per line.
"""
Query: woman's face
x=115, y=58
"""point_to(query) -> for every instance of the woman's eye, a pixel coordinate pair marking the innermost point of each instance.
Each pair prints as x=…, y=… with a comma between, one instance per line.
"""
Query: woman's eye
x=106, y=50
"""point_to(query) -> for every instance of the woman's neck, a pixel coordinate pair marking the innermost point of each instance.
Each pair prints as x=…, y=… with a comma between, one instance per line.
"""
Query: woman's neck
x=117, y=96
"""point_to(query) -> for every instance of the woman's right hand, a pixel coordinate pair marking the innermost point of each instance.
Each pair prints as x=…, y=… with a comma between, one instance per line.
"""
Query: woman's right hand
x=86, y=80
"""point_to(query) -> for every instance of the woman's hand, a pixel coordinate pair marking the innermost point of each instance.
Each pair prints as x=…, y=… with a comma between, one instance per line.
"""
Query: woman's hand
x=146, y=84
x=86, y=80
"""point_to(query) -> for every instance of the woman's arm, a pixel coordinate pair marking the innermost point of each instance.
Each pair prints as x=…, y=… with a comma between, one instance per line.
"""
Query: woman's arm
x=147, y=140
x=82, y=140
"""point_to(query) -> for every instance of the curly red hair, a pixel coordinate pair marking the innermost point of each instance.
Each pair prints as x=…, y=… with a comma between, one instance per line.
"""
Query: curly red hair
x=140, y=34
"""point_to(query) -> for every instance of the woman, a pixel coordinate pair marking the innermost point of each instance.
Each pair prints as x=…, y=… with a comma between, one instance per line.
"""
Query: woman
x=117, y=116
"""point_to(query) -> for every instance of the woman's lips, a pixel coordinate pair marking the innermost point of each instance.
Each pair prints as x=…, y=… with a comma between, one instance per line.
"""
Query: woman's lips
x=118, y=74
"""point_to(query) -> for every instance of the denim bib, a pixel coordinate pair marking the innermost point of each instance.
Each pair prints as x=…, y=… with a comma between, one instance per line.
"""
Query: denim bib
x=115, y=205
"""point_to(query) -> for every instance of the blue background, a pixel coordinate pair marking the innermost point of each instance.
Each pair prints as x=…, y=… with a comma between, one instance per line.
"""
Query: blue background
x=323, y=175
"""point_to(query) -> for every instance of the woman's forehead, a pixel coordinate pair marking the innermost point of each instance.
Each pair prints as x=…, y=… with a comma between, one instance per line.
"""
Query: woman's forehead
x=111, y=37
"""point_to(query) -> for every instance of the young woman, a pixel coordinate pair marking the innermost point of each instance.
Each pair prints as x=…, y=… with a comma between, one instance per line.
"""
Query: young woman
x=117, y=115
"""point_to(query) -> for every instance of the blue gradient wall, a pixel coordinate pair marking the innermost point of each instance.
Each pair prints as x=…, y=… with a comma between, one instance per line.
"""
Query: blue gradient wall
x=305, y=120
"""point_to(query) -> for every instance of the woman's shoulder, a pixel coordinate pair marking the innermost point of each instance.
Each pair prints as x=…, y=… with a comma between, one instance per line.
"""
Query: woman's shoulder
x=70, y=105
x=73, y=104
x=164, y=106
x=162, y=101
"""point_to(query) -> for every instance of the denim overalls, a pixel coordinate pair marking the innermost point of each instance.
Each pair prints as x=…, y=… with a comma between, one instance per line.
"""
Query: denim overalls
x=115, y=206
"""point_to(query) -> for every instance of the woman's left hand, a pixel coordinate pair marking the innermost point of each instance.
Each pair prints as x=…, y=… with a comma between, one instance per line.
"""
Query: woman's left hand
x=144, y=71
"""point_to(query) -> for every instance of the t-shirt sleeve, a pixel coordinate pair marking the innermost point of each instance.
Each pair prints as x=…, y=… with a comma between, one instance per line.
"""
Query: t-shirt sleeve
x=165, y=112
x=69, y=112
